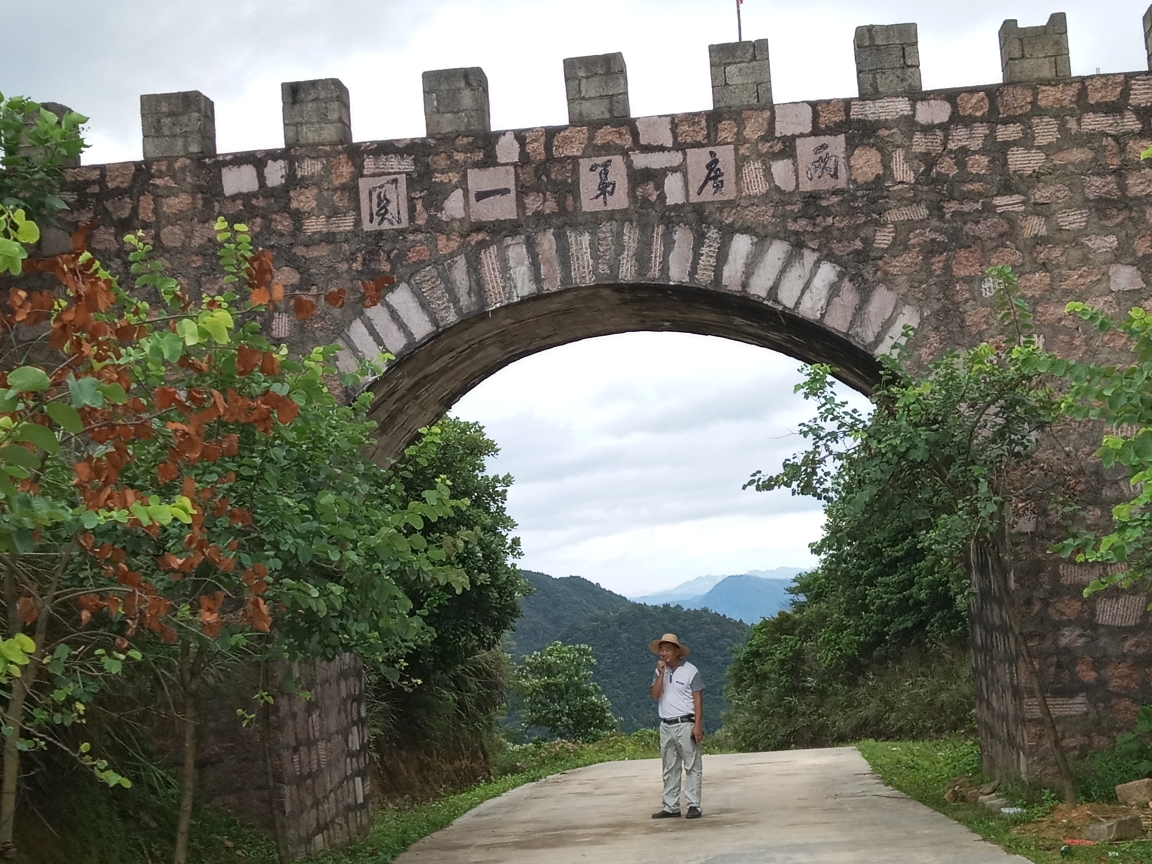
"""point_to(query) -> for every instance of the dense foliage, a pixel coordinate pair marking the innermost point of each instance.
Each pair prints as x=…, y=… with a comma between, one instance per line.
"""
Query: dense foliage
x=558, y=694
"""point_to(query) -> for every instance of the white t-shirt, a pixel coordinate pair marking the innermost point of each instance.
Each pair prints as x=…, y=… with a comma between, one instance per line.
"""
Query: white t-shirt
x=679, y=685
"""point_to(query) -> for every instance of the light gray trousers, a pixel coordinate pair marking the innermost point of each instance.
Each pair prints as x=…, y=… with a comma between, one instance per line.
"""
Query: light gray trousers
x=679, y=752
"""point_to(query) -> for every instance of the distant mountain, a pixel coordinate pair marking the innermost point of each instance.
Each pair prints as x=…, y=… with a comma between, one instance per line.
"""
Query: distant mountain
x=691, y=589
x=556, y=605
x=747, y=598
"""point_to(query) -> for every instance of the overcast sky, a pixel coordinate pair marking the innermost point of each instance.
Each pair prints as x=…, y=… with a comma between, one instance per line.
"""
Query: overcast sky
x=629, y=452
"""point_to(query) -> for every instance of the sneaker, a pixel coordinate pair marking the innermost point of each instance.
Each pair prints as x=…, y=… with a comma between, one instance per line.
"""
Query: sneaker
x=669, y=814
x=694, y=813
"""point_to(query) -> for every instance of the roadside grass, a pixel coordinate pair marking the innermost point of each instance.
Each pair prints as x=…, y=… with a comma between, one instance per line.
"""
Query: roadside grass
x=395, y=829
x=920, y=769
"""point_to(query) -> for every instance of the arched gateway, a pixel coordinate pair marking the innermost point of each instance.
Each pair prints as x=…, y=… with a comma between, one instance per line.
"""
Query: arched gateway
x=815, y=228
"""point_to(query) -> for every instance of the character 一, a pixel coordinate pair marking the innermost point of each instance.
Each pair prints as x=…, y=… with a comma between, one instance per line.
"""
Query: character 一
x=383, y=208
x=606, y=188
x=824, y=165
x=713, y=174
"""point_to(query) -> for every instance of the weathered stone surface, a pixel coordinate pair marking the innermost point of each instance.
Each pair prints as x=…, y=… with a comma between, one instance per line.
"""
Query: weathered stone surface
x=1122, y=828
x=316, y=112
x=597, y=87
x=1035, y=53
x=456, y=101
x=741, y=75
x=178, y=124
x=887, y=59
x=1138, y=792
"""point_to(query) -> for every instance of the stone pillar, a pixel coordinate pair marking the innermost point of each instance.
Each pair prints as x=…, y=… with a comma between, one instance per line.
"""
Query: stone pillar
x=1030, y=54
x=1148, y=34
x=597, y=88
x=316, y=112
x=888, y=59
x=455, y=101
x=741, y=75
x=178, y=124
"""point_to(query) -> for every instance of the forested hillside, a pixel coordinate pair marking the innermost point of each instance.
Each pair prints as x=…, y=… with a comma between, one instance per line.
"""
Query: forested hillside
x=746, y=598
x=575, y=611
x=619, y=641
x=556, y=605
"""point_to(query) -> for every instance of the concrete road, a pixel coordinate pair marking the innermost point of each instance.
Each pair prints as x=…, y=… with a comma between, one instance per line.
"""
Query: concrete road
x=811, y=806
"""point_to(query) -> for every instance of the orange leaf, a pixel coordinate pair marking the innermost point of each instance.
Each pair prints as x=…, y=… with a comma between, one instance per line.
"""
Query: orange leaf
x=287, y=411
x=166, y=472
x=335, y=297
x=247, y=359
x=303, y=307
x=256, y=614
x=166, y=397
x=270, y=364
x=374, y=290
x=27, y=608
x=259, y=297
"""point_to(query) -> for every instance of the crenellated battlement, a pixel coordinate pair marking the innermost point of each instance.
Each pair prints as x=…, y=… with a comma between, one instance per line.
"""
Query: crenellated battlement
x=456, y=101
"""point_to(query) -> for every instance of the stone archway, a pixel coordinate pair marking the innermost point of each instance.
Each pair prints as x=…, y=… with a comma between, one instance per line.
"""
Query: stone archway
x=452, y=325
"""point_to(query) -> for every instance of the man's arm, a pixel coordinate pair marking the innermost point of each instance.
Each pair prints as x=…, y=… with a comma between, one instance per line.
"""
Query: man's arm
x=698, y=726
x=658, y=685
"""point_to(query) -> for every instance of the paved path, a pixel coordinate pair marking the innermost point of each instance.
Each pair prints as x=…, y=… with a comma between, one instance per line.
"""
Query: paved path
x=811, y=806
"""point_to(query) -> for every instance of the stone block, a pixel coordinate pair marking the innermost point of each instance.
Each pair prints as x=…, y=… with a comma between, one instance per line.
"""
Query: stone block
x=178, y=124
x=1148, y=34
x=316, y=112
x=1122, y=828
x=597, y=88
x=1030, y=54
x=741, y=74
x=456, y=101
x=887, y=59
x=1138, y=792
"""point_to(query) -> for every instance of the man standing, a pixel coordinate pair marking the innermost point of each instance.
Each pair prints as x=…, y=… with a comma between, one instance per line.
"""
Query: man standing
x=678, y=686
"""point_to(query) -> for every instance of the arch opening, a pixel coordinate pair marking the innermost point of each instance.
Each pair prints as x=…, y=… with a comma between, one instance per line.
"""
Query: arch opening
x=425, y=383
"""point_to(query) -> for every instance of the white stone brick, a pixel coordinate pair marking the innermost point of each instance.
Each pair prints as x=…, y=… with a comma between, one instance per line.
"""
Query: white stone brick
x=391, y=336
x=403, y=301
x=793, y=118
x=659, y=159
x=1125, y=277
x=680, y=261
x=784, y=174
x=520, y=268
x=549, y=260
x=238, y=179
x=345, y=359
x=362, y=341
x=655, y=131
x=795, y=278
x=275, y=172
x=768, y=269
x=675, y=189
x=842, y=309
x=507, y=148
x=933, y=111
x=815, y=299
x=908, y=317
x=739, y=251
x=881, y=109
x=878, y=310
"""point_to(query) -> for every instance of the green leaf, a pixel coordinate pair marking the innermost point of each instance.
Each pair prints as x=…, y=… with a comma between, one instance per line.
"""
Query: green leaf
x=20, y=457
x=85, y=392
x=66, y=416
x=218, y=323
x=41, y=436
x=28, y=232
x=114, y=393
x=188, y=331
x=90, y=519
x=28, y=379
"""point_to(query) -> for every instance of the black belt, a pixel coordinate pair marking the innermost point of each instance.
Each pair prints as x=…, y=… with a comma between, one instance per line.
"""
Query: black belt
x=683, y=718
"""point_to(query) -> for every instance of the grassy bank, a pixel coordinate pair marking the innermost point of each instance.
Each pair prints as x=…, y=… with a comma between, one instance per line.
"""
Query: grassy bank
x=921, y=769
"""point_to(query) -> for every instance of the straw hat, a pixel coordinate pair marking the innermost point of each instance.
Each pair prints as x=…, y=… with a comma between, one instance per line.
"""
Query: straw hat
x=654, y=645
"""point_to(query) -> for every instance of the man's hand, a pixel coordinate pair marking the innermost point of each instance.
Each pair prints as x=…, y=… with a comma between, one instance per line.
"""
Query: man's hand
x=697, y=733
x=661, y=666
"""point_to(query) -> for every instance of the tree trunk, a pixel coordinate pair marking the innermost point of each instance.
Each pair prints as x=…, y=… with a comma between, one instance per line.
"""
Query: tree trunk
x=999, y=575
x=188, y=676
